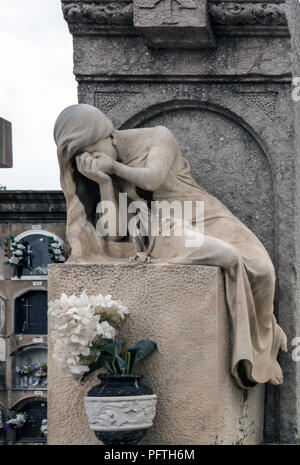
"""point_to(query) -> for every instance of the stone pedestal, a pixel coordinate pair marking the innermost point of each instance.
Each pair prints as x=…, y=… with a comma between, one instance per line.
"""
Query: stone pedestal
x=182, y=308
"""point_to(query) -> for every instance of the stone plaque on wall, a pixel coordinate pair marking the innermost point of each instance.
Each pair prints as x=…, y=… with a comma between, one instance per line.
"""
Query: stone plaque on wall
x=173, y=23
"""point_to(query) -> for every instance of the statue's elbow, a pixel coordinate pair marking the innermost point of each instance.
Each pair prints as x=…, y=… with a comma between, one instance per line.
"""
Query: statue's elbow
x=152, y=185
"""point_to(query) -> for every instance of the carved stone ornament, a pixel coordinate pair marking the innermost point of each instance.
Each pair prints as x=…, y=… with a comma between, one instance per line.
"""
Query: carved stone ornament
x=173, y=23
x=247, y=14
x=165, y=22
x=117, y=13
x=120, y=413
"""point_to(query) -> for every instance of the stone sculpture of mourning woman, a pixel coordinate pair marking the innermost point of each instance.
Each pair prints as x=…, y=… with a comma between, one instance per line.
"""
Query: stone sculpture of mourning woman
x=98, y=161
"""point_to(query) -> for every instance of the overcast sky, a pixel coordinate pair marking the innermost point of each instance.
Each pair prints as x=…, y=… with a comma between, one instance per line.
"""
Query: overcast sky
x=36, y=83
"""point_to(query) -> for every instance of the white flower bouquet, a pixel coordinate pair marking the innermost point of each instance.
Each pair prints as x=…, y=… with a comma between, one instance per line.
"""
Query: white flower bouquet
x=81, y=326
x=17, y=253
x=16, y=422
x=56, y=251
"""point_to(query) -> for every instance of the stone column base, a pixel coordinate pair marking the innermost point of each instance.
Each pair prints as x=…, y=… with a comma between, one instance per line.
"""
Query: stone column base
x=182, y=308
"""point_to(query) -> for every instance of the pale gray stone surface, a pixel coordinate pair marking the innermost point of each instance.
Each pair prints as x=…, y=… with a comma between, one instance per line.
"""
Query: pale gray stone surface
x=174, y=24
x=198, y=400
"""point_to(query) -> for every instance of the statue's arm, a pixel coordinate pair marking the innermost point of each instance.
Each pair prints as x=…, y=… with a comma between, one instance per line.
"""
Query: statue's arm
x=107, y=193
x=150, y=177
x=86, y=166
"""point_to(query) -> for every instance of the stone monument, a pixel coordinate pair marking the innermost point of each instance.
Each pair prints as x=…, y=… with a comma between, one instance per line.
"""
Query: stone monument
x=5, y=144
x=225, y=92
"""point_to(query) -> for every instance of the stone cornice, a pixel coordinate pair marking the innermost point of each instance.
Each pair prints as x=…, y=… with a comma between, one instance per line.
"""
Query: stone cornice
x=32, y=207
x=248, y=18
x=228, y=18
x=99, y=17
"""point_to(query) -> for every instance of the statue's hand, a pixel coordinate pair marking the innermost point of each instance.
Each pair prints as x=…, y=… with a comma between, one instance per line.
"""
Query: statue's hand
x=87, y=165
x=104, y=162
x=140, y=258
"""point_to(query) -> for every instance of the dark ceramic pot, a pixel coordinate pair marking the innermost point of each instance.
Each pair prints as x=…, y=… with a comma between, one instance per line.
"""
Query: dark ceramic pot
x=121, y=409
x=10, y=435
x=18, y=271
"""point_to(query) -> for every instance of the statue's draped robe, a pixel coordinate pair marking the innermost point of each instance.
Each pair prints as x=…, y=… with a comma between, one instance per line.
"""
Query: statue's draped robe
x=249, y=274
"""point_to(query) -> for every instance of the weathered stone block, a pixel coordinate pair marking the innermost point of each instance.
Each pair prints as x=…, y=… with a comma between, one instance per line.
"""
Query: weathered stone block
x=182, y=308
x=173, y=23
x=5, y=144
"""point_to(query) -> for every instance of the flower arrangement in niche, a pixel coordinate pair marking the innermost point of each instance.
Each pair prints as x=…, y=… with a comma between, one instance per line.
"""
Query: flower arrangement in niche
x=44, y=428
x=39, y=271
x=17, y=421
x=40, y=370
x=56, y=251
x=17, y=253
x=37, y=369
x=81, y=326
x=26, y=370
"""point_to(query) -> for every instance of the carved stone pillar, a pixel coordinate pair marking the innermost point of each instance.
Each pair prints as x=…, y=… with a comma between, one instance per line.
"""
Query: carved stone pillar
x=230, y=107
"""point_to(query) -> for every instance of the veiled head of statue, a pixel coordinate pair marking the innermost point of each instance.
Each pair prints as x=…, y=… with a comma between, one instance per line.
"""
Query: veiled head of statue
x=79, y=126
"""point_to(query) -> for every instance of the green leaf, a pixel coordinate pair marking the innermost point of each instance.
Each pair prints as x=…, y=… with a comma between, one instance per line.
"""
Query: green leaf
x=120, y=365
x=124, y=348
x=132, y=354
x=99, y=363
x=128, y=363
x=108, y=367
x=114, y=369
x=140, y=350
x=111, y=349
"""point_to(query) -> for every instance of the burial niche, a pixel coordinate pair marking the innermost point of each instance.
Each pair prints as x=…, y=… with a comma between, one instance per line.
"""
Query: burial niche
x=38, y=246
x=31, y=313
x=36, y=411
x=30, y=367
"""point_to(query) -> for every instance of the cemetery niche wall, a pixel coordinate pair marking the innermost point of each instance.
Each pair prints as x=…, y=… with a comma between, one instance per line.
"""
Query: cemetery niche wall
x=225, y=93
x=27, y=216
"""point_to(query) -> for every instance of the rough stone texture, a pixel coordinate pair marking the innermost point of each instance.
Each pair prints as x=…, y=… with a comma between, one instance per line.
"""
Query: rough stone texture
x=131, y=56
x=182, y=308
x=173, y=23
x=241, y=139
x=230, y=18
x=290, y=415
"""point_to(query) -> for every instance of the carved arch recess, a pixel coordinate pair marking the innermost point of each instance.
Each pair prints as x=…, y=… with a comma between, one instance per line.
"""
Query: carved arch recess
x=227, y=158
x=20, y=403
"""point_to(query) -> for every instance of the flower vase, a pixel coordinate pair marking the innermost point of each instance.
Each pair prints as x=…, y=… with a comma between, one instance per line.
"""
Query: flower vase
x=35, y=381
x=18, y=271
x=25, y=381
x=121, y=409
x=10, y=435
